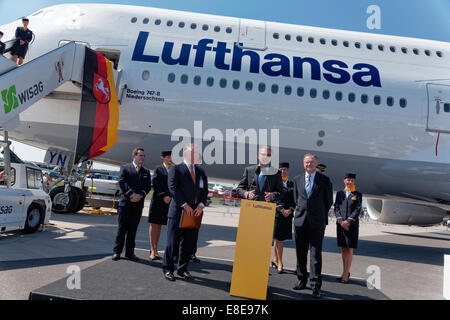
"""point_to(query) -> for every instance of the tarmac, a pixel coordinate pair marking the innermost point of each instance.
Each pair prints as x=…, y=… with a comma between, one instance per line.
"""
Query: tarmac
x=407, y=261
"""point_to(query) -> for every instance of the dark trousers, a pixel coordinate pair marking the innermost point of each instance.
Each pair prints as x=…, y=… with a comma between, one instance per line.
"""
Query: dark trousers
x=196, y=240
x=175, y=254
x=129, y=218
x=181, y=244
x=307, y=237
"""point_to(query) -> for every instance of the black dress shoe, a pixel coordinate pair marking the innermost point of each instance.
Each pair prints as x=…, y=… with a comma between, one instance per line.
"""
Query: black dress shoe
x=300, y=285
x=169, y=276
x=185, y=275
x=316, y=293
x=116, y=257
x=133, y=258
x=195, y=259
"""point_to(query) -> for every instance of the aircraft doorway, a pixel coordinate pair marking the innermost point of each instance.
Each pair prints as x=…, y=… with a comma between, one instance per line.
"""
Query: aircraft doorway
x=252, y=34
x=112, y=55
x=438, y=119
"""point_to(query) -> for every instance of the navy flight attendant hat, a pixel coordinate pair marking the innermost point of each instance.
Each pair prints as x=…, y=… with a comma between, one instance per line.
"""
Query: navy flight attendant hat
x=284, y=165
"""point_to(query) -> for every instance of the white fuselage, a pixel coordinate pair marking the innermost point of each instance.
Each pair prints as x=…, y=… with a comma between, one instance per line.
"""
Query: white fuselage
x=183, y=67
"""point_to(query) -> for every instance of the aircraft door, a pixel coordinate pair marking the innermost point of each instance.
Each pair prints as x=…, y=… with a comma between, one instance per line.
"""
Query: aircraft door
x=438, y=119
x=252, y=34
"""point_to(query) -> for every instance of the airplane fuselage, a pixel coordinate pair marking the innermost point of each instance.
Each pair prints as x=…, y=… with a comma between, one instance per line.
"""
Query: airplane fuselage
x=363, y=103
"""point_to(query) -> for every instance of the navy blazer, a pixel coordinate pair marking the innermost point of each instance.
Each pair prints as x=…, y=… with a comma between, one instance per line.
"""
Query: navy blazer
x=183, y=190
x=249, y=181
x=348, y=208
x=25, y=35
x=287, y=200
x=160, y=189
x=131, y=182
x=318, y=204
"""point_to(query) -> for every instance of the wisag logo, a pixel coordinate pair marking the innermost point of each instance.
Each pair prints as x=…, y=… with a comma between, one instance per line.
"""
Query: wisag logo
x=10, y=99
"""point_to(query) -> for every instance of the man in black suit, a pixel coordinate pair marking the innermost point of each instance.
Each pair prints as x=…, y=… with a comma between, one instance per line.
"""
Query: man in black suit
x=261, y=182
x=159, y=206
x=135, y=183
x=188, y=186
x=313, y=196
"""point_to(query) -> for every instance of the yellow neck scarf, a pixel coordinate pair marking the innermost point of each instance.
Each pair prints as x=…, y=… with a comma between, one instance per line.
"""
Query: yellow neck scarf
x=168, y=165
x=352, y=189
x=284, y=179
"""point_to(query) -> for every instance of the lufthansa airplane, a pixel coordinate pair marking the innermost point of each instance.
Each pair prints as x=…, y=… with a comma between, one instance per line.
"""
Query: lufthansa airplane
x=371, y=104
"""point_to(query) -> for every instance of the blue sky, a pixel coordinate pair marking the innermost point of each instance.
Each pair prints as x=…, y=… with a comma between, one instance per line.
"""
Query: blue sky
x=428, y=19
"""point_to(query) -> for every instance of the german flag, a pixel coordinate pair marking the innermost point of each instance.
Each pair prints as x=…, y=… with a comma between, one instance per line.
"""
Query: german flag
x=99, y=114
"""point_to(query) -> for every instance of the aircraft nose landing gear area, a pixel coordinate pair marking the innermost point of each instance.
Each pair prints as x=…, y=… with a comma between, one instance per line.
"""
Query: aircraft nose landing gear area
x=66, y=202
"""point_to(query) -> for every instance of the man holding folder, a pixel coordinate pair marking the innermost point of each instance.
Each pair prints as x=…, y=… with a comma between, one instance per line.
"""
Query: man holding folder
x=188, y=186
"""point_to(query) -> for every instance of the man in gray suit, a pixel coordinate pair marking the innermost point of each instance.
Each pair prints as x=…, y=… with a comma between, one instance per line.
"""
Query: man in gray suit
x=313, y=195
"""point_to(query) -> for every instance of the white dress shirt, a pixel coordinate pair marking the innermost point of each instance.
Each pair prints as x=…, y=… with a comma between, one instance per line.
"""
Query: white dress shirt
x=136, y=165
x=347, y=193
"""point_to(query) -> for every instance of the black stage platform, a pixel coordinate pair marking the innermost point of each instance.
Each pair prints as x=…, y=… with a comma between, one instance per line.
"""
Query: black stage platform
x=144, y=280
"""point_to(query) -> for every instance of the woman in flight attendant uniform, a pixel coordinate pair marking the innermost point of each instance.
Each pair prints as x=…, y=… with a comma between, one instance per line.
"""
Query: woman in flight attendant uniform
x=347, y=208
x=23, y=38
x=283, y=218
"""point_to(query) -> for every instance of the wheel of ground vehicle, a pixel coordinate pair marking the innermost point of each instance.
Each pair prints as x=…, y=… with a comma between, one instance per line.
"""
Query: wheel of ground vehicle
x=63, y=203
x=34, y=218
x=81, y=199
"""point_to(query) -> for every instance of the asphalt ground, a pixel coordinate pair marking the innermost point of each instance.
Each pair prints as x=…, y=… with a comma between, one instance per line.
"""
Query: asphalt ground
x=407, y=260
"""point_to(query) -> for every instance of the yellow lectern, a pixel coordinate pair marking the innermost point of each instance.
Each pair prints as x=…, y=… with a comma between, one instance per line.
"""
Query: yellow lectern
x=253, y=244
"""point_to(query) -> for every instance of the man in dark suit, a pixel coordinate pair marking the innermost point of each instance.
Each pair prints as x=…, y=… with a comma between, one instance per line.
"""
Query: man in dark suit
x=188, y=186
x=313, y=196
x=261, y=182
x=135, y=183
x=159, y=206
